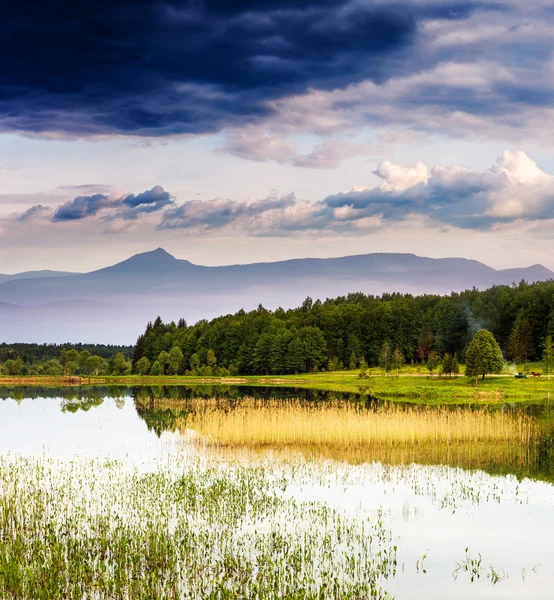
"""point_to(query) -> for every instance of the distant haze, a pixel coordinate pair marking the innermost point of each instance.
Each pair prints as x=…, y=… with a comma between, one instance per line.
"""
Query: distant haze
x=112, y=305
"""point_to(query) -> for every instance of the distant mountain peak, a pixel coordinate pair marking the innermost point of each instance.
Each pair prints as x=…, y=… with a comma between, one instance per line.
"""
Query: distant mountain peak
x=153, y=257
x=159, y=253
x=155, y=262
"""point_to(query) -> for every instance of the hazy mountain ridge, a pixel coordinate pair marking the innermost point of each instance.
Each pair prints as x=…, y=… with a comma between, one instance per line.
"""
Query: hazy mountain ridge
x=34, y=275
x=112, y=304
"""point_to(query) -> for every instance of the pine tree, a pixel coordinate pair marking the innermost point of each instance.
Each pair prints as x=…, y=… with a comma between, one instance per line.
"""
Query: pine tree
x=447, y=364
x=432, y=362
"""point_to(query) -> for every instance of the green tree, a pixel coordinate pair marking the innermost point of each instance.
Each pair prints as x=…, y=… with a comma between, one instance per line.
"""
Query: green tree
x=194, y=361
x=353, y=361
x=447, y=364
x=52, y=368
x=548, y=354
x=455, y=366
x=120, y=365
x=483, y=355
x=385, y=357
x=95, y=364
x=397, y=359
x=175, y=360
x=84, y=362
x=432, y=362
x=520, y=342
x=143, y=366
x=163, y=360
x=296, y=360
x=156, y=369
x=211, y=359
x=7, y=367
x=70, y=367
x=279, y=351
x=262, y=353
x=17, y=367
x=315, y=347
x=68, y=356
x=425, y=343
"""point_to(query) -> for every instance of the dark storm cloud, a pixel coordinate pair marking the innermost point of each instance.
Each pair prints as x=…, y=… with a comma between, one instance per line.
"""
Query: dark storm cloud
x=148, y=202
x=82, y=207
x=112, y=207
x=151, y=68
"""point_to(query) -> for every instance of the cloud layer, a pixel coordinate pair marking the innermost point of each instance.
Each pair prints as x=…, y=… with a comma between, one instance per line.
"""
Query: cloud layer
x=513, y=189
x=109, y=207
x=152, y=69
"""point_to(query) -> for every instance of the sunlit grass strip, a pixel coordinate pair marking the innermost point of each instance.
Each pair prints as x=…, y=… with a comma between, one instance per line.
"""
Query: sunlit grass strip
x=258, y=423
x=97, y=531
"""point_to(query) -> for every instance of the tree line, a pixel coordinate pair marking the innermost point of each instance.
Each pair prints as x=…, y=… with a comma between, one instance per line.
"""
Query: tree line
x=352, y=332
x=64, y=359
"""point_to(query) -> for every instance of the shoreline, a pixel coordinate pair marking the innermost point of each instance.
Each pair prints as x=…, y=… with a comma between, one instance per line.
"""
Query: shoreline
x=416, y=388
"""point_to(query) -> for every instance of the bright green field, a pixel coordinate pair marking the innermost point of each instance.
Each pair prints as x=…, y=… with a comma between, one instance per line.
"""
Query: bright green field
x=408, y=385
x=412, y=383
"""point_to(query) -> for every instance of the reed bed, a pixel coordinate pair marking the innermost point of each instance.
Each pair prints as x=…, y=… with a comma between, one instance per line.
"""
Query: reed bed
x=504, y=458
x=276, y=423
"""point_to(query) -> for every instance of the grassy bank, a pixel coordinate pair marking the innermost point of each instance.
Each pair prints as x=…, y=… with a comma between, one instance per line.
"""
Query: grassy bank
x=405, y=386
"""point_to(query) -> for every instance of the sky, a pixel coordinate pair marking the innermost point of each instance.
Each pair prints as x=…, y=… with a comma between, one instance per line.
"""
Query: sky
x=236, y=132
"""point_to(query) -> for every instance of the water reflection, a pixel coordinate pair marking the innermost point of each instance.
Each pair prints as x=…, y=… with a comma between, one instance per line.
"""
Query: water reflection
x=431, y=508
x=501, y=439
x=521, y=444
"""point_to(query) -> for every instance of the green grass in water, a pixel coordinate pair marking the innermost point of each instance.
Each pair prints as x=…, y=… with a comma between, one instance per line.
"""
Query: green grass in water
x=98, y=531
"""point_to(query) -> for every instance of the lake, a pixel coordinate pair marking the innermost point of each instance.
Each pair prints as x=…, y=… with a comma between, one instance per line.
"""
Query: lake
x=399, y=500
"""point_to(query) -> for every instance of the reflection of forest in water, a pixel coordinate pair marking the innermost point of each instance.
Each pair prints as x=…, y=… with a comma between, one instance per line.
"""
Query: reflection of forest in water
x=171, y=408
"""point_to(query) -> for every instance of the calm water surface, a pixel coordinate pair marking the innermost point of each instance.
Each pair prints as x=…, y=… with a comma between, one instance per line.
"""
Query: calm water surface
x=433, y=510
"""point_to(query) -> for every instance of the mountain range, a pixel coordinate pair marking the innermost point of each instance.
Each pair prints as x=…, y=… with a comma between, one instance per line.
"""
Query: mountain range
x=113, y=304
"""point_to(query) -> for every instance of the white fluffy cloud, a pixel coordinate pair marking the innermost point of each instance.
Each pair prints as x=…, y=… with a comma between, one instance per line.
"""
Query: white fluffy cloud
x=401, y=177
x=514, y=188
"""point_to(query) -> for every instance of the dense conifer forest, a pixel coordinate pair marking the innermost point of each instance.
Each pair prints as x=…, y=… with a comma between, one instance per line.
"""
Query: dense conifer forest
x=350, y=332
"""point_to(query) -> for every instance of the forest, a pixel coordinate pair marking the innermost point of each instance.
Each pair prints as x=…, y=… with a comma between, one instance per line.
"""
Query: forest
x=64, y=359
x=351, y=332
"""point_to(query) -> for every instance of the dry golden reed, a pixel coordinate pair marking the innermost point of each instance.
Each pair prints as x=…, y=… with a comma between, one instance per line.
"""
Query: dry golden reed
x=276, y=423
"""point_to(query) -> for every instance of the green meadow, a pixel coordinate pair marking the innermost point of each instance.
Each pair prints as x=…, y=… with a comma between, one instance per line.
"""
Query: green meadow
x=406, y=385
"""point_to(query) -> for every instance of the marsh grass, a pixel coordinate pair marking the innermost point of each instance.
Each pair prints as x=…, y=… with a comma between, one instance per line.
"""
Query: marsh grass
x=97, y=531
